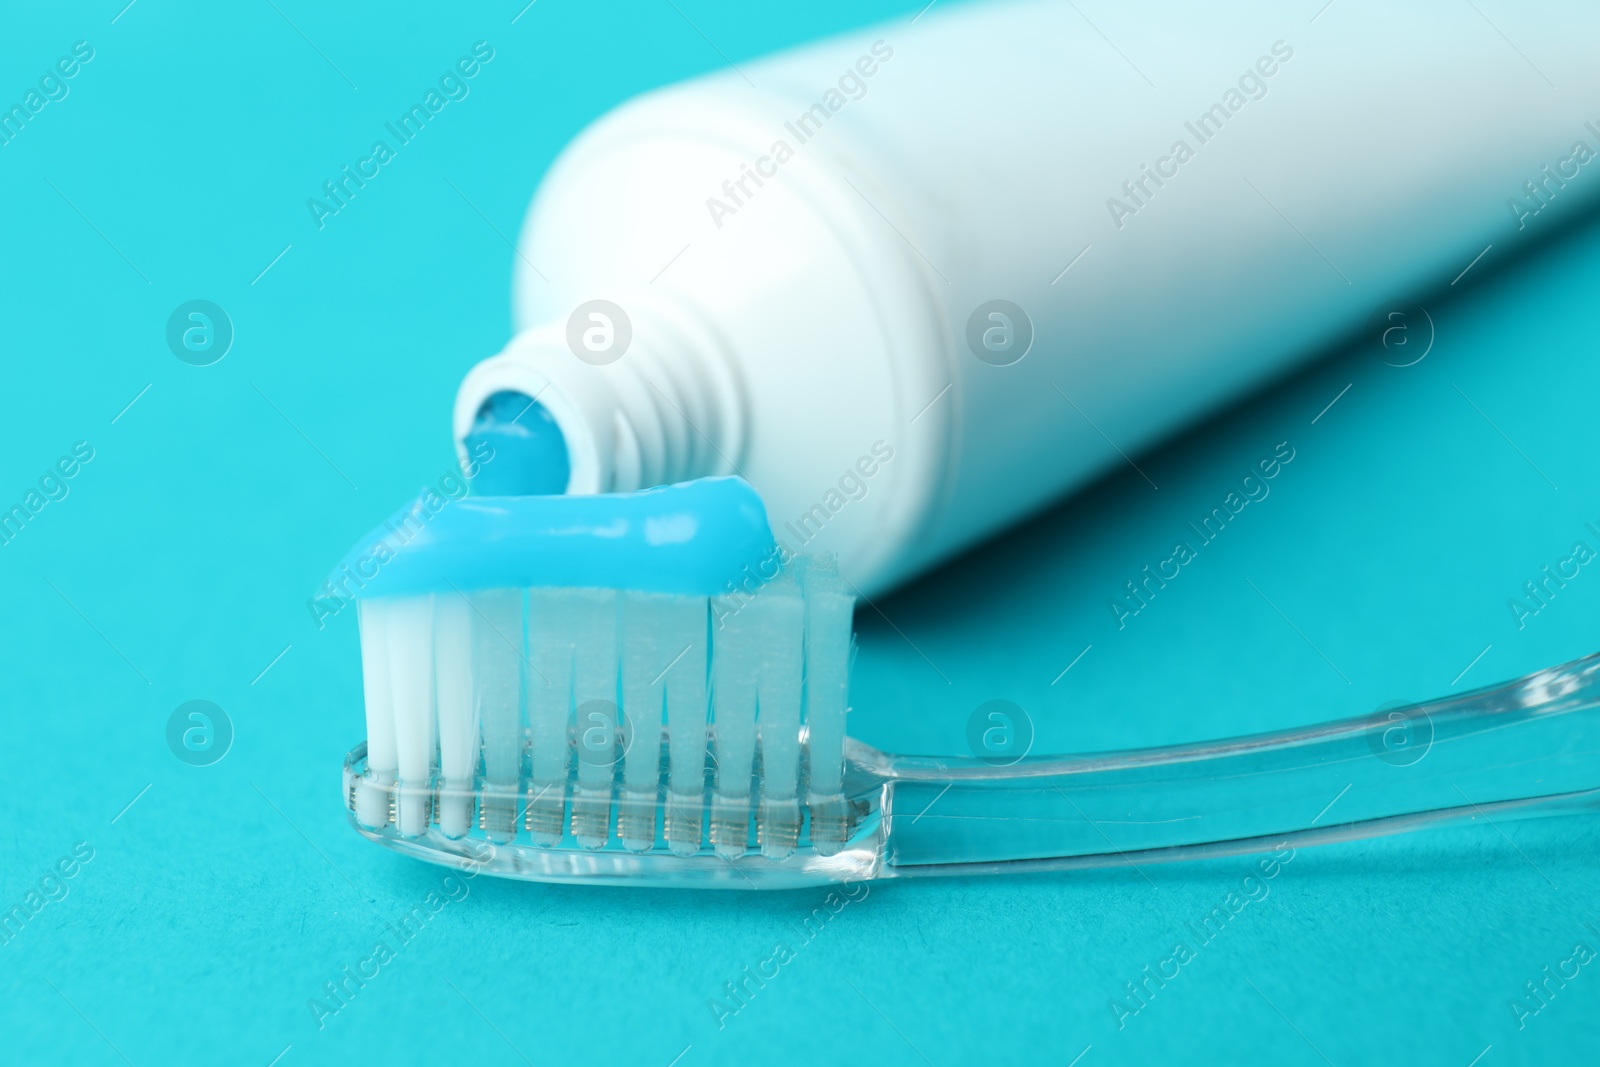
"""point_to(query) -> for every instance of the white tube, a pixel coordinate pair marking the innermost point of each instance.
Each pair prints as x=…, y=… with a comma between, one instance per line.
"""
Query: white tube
x=802, y=246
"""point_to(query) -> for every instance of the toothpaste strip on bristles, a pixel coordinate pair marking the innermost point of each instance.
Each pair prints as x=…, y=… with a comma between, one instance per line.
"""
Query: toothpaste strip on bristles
x=527, y=659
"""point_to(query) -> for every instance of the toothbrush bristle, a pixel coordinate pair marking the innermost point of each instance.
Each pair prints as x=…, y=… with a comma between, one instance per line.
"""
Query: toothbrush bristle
x=597, y=719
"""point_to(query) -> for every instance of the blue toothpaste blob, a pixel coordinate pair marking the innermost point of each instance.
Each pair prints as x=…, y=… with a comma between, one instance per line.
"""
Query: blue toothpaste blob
x=530, y=455
x=689, y=539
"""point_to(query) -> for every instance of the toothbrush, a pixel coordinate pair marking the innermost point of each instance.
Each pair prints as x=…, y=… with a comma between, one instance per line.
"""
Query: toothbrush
x=498, y=642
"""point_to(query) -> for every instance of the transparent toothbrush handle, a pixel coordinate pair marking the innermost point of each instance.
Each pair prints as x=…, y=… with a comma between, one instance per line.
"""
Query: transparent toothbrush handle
x=1528, y=747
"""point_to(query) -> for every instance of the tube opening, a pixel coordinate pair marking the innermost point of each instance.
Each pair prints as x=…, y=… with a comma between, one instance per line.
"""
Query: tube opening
x=529, y=450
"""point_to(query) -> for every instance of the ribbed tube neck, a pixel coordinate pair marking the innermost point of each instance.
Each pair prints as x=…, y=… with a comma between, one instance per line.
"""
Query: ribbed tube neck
x=660, y=406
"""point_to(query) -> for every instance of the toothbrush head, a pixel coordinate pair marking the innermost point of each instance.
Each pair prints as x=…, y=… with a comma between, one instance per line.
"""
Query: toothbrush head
x=531, y=715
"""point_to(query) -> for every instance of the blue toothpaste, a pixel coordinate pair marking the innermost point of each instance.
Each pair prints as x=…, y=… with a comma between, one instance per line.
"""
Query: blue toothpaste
x=690, y=539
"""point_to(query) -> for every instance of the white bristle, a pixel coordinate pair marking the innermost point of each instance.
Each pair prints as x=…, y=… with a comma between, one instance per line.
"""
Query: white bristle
x=551, y=650
x=829, y=609
x=458, y=713
x=778, y=716
x=593, y=626
x=506, y=696
x=408, y=637
x=372, y=797
x=752, y=637
x=663, y=649
x=497, y=667
x=688, y=709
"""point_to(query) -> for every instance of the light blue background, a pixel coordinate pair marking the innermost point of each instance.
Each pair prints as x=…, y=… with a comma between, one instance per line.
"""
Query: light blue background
x=226, y=896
